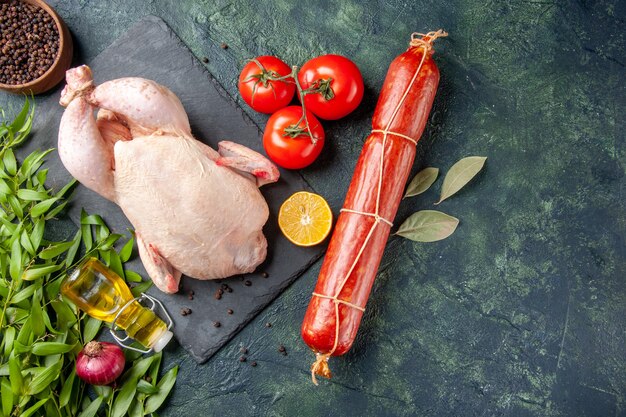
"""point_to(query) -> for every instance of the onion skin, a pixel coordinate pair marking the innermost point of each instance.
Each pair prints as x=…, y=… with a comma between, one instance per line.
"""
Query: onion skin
x=100, y=363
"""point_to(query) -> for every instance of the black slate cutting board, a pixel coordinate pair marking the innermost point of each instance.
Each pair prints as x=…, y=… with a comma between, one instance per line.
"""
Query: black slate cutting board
x=151, y=50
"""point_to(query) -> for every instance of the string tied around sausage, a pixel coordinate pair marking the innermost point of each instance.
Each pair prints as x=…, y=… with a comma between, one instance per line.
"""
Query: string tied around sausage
x=426, y=39
x=376, y=216
x=339, y=301
x=388, y=132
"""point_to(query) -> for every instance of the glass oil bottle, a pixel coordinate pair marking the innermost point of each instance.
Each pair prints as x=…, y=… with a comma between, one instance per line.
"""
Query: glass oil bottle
x=102, y=294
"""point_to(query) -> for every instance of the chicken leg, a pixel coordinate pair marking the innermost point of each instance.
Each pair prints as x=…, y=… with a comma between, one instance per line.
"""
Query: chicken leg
x=83, y=151
x=162, y=272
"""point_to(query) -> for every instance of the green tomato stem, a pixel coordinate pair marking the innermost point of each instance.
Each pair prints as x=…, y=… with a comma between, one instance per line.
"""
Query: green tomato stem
x=301, y=93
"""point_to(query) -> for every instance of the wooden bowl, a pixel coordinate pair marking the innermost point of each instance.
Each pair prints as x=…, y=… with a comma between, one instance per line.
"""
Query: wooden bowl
x=61, y=63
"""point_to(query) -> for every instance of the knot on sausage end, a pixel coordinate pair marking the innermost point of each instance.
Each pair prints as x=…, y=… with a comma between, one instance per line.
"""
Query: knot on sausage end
x=320, y=367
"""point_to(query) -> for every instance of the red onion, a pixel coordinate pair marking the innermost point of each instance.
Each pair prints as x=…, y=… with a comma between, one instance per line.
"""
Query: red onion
x=100, y=363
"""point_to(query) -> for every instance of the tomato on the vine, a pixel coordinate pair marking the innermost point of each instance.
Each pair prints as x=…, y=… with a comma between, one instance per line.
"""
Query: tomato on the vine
x=333, y=86
x=260, y=87
x=287, y=141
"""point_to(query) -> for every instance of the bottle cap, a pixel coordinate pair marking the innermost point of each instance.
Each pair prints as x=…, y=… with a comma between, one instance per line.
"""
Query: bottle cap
x=162, y=341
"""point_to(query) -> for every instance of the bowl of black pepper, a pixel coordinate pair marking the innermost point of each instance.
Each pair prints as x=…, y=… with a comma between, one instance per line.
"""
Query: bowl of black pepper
x=35, y=47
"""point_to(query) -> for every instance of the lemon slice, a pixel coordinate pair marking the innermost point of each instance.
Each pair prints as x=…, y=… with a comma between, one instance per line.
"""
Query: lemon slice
x=305, y=218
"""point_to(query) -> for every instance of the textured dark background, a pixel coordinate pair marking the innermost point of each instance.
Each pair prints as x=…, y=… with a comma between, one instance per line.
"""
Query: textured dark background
x=521, y=312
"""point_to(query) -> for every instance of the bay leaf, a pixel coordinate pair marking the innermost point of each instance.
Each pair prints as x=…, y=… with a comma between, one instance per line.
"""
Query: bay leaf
x=428, y=226
x=103, y=391
x=7, y=396
x=92, y=409
x=132, y=276
x=50, y=348
x=10, y=163
x=460, y=174
x=42, y=207
x=38, y=271
x=124, y=397
x=165, y=386
x=31, y=195
x=56, y=210
x=26, y=243
x=66, y=390
x=153, y=371
x=55, y=250
x=41, y=177
x=21, y=119
x=127, y=250
x=36, y=234
x=15, y=267
x=136, y=409
x=43, y=379
x=33, y=409
x=15, y=374
x=143, y=287
x=5, y=188
x=145, y=387
x=91, y=329
x=7, y=341
x=71, y=253
x=86, y=236
x=36, y=319
x=421, y=182
x=116, y=264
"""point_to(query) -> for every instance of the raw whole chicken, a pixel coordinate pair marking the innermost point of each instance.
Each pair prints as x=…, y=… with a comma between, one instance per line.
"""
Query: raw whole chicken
x=196, y=211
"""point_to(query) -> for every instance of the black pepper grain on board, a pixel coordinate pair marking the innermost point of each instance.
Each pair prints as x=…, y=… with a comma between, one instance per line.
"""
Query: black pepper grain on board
x=29, y=42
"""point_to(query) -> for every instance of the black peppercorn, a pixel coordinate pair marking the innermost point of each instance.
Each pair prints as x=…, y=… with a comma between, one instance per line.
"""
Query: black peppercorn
x=29, y=47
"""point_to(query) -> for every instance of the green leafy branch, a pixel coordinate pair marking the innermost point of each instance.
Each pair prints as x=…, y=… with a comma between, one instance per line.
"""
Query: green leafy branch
x=433, y=225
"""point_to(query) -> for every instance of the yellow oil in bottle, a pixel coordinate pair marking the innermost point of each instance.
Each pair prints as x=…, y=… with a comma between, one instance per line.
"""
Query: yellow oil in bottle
x=101, y=293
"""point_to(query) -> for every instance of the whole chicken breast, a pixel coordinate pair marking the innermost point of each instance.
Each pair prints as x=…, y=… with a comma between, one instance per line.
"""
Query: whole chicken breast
x=196, y=210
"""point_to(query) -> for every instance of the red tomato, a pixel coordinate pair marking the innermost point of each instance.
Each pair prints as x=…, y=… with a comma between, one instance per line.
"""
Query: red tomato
x=286, y=140
x=339, y=84
x=258, y=87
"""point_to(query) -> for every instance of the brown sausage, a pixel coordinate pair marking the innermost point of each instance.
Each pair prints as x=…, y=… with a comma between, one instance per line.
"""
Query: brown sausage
x=356, y=247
